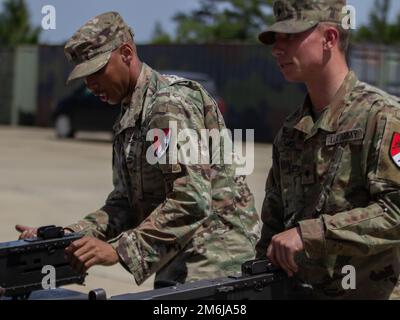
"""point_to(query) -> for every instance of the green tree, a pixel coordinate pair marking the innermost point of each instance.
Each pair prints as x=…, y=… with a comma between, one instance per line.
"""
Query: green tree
x=379, y=29
x=223, y=21
x=15, y=27
x=159, y=35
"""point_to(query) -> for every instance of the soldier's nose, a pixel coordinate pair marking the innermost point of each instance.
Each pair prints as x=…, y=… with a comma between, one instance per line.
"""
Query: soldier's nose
x=277, y=51
x=91, y=83
x=278, y=47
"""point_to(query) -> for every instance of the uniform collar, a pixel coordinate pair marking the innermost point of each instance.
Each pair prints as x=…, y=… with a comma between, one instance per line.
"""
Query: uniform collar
x=329, y=119
x=132, y=106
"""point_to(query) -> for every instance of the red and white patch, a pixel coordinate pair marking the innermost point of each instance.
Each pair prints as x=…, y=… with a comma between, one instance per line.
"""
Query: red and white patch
x=161, y=142
x=395, y=149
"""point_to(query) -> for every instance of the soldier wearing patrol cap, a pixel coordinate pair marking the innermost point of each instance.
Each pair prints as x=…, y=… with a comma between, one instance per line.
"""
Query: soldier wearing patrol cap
x=183, y=221
x=331, y=213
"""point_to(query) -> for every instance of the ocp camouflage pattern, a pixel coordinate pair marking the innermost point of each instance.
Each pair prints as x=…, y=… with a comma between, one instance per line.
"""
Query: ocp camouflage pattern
x=336, y=180
x=100, y=34
x=185, y=222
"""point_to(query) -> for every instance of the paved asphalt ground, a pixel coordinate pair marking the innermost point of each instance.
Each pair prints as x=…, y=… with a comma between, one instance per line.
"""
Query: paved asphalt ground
x=44, y=181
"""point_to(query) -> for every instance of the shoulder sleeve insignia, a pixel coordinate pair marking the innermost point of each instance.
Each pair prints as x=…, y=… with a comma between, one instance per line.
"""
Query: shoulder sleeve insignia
x=395, y=149
x=161, y=142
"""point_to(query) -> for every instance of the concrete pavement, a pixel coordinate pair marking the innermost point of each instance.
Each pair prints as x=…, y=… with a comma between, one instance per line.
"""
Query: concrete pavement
x=49, y=181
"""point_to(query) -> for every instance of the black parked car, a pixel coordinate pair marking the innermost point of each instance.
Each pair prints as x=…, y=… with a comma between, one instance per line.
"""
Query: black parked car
x=82, y=111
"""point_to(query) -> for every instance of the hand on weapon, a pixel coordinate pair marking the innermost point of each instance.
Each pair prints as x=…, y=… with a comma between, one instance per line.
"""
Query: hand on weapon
x=26, y=232
x=31, y=232
x=87, y=252
x=22, y=261
x=283, y=248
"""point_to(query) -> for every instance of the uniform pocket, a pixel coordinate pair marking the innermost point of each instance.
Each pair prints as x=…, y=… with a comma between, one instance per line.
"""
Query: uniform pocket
x=133, y=152
x=291, y=185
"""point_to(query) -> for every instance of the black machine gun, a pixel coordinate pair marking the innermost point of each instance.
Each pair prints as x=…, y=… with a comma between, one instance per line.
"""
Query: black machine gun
x=22, y=262
x=259, y=280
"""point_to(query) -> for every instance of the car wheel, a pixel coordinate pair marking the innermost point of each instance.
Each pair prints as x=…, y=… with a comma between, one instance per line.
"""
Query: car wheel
x=63, y=126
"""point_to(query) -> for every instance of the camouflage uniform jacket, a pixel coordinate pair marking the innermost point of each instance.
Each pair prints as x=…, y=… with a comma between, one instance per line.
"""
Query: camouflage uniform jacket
x=337, y=180
x=186, y=222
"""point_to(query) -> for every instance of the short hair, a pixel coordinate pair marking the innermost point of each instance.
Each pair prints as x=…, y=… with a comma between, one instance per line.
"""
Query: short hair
x=344, y=35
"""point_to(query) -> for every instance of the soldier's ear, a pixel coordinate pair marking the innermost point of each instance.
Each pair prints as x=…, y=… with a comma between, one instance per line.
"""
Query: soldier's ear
x=331, y=38
x=126, y=53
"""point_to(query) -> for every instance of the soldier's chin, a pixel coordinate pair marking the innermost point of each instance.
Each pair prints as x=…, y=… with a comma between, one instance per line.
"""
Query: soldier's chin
x=292, y=78
x=113, y=102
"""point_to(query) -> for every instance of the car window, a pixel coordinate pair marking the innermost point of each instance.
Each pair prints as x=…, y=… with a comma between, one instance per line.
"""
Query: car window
x=205, y=80
x=209, y=86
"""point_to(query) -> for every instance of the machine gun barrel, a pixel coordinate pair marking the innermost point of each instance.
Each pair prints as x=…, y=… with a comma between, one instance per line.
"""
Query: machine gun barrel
x=259, y=281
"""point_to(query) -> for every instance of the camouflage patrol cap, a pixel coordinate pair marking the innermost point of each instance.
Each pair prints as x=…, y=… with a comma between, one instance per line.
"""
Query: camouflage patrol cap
x=294, y=16
x=91, y=46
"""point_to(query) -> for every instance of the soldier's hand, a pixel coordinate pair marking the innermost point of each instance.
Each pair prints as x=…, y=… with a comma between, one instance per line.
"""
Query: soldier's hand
x=283, y=248
x=26, y=232
x=88, y=251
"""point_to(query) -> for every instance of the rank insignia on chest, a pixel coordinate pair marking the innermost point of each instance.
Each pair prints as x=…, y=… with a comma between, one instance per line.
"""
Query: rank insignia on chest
x=162, y=138
x=395, y=149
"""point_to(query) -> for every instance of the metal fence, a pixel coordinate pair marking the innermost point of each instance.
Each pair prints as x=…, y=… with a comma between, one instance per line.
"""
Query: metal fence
x=377, y=65
x=256, y=94
x=6, y=84
x=254, y=91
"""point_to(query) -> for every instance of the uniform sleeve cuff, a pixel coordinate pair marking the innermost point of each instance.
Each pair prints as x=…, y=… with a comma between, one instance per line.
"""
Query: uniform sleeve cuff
x=86, y=228
x=313, y=236
x=130, y=257
x=76, y=227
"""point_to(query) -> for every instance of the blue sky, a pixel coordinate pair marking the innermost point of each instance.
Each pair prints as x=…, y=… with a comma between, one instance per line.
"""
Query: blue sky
x=141, y=15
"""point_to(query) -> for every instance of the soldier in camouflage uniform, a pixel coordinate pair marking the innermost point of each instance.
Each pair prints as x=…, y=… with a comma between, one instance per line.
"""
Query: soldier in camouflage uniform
x=182, y=221
x=333, y=193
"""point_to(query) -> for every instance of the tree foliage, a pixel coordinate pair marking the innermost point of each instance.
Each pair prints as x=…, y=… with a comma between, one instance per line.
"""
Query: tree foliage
x=15, y=27
x=379, y=29
x=160, y=36
x=223, y=21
